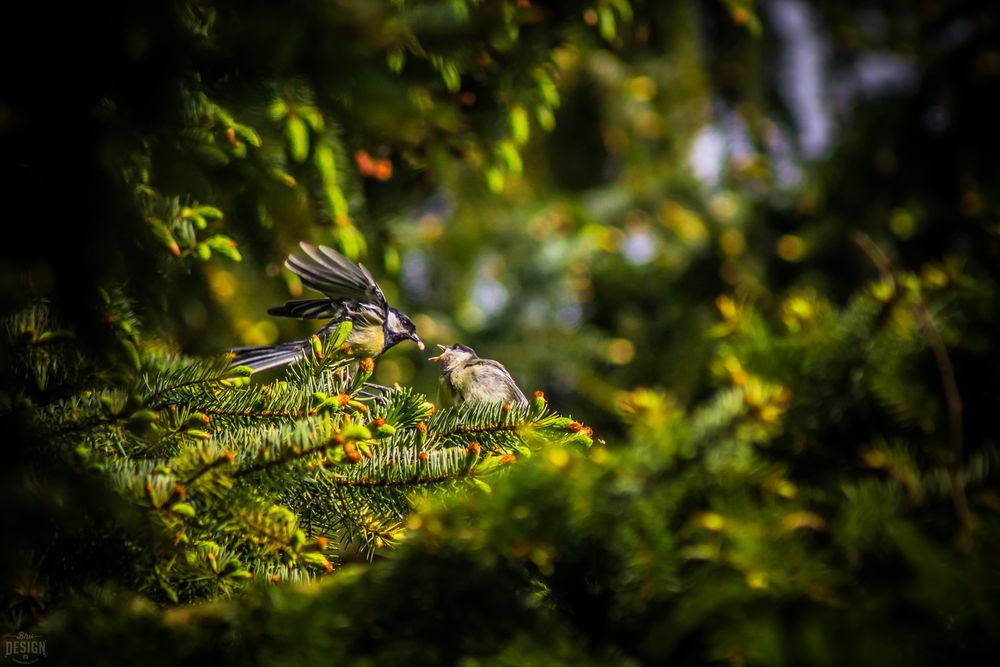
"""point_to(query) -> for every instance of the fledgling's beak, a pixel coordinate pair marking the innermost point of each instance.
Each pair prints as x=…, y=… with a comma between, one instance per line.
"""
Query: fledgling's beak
x=444, y=351
x=416, y=339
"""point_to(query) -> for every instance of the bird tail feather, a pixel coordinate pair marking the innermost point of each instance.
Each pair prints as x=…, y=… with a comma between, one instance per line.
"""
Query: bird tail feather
x=270, y=356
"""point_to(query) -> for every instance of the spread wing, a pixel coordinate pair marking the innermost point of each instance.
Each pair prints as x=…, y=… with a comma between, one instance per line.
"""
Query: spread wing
x=326, y=270
x=308, y=309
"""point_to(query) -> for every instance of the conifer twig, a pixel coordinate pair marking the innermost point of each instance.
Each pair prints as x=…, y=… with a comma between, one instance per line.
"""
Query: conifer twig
x=946, y=370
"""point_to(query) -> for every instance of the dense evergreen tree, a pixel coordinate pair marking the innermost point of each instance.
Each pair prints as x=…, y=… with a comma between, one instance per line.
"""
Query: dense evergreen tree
x=749, y=246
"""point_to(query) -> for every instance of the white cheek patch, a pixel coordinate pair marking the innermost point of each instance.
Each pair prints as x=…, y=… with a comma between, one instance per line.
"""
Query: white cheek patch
x=392, y=322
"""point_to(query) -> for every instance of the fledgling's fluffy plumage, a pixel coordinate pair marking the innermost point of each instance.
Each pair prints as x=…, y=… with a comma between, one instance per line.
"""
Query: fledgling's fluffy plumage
x=465, y=379
x=350, y=293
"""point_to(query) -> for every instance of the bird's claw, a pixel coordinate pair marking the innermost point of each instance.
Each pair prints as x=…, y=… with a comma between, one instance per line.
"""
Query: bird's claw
x=379, y=397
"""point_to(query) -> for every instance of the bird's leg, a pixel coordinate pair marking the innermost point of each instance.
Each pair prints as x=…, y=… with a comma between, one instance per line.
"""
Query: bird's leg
x=368, y=396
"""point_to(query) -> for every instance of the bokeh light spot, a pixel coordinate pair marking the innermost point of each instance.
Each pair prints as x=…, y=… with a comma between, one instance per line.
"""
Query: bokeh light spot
x=621, y=351
x=390, y=371
x=732, y=242
x=688, y=227
x=263, y=332
x=791, y=248
x=642, y=88
x=223, y=284
x=902, y=223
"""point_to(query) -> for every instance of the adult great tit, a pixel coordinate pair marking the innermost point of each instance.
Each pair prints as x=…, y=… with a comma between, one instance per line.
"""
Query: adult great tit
x=465, y=379
x=350, y=293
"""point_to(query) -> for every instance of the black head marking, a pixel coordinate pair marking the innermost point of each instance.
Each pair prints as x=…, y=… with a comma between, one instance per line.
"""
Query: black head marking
x=398, y=327
x=403, y=323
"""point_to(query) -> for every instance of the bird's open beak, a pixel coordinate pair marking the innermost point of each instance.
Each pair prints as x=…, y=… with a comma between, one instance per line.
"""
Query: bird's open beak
x=444, y=350
x=420, y=343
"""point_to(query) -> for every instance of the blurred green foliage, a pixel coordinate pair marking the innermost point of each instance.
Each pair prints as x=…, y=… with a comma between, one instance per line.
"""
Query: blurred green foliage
x=754, y=243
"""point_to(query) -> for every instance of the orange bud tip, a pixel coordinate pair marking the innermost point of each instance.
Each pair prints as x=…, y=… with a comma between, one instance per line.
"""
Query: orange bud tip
x=383, y=170
x=422, y=427
x=539, y=394
x=506, y=407
x=740, y=16
x=343, y=399
x=423, y=456
x=474, y=448
x=574, y=427
x=321, y=542
x=175, y=249
x=275, y=578
x=589, y=432
x=230, y=456
x=378, y=422
x=364, y=162
x=506, y=459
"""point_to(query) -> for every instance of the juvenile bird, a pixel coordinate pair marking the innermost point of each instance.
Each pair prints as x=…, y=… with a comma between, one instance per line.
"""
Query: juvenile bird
x=465, y=379
x=350, y=293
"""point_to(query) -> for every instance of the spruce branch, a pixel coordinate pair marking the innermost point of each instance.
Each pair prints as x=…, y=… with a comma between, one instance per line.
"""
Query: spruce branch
x=172, y=375
x=946, y=372
x=227, y=470
x=402, y=467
